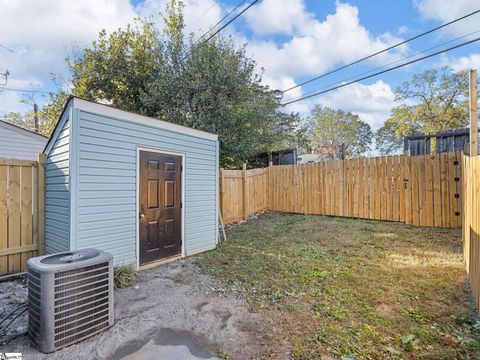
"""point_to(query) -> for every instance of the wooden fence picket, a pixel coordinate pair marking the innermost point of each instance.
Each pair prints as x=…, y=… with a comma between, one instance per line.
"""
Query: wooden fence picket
x=22, y=194
x=419, y=190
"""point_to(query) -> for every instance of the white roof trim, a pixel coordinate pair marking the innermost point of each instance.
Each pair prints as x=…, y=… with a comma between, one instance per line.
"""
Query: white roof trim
x=106, y=110
x=58, y=129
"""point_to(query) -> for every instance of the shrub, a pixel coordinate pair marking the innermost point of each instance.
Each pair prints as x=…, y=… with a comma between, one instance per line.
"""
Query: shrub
x=124, y=276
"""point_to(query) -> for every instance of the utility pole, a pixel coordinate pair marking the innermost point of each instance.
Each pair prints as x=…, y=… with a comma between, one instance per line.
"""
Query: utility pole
x=342, y=151
x=473, y=113
x=35, y=117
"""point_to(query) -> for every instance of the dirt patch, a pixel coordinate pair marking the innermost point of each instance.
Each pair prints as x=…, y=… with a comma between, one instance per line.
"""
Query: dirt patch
x=384, y=309
x=175, y=297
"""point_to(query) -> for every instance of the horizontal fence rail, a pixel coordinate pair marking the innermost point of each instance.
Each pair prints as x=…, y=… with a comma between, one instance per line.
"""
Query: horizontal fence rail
x=21, y=213
x=421, y=190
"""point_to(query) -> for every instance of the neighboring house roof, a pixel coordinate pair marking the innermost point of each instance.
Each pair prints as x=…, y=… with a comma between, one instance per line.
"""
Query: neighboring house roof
x=109, y=111
x=19, y=143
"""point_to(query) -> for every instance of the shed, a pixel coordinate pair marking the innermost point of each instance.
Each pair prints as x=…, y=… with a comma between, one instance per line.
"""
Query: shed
x=19, y=143
x=140, y=188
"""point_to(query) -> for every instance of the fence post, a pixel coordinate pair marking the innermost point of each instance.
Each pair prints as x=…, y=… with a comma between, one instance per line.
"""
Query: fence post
x=245, y=197
x=222, y=191
x=270, y=192
x=473, y=114
x=41, y=204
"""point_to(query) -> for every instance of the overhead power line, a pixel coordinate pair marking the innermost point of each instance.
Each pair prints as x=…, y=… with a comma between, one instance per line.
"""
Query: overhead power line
x=221, y=20
x=215, y=2
x=24, y=90
x=232, y=20
x=6, y=48
x=199, y=41
x=383, y=71
x=382, y=51
x=390, y=63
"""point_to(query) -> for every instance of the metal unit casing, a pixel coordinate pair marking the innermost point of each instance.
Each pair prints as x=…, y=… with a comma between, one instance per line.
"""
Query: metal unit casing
x=70, y=297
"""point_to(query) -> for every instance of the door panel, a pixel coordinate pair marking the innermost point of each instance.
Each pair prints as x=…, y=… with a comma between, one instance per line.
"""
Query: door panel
x=169, y=194
x=160, y=206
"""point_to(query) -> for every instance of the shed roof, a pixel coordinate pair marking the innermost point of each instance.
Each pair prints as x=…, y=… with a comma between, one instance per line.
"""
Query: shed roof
x=107, y=110
x=21, y=130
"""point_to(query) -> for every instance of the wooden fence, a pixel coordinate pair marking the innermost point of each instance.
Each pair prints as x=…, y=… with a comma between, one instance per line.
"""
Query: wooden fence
x=471, y=222
x=420, y=190
x=22, y=203
x=243, y=193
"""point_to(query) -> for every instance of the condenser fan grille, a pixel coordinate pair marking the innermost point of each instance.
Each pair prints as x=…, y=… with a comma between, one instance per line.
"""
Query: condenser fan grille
x=81, y=303
x=70, y=297
x=34, y=305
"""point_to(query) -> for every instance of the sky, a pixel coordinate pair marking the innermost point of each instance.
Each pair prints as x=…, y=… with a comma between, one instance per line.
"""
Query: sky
x=291, y=41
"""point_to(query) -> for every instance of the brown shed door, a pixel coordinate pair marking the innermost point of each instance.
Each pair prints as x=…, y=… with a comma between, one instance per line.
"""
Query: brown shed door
x=160, y=206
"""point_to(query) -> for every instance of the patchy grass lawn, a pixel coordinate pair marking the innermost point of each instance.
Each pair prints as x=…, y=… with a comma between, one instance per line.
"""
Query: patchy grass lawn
x=351, y=288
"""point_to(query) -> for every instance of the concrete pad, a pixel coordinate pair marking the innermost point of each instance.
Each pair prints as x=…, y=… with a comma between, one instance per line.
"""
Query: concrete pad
x=173, y=312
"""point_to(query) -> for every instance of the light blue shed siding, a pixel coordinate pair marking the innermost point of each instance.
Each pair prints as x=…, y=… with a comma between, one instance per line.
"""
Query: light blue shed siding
x=106, y=184
x=57, y=198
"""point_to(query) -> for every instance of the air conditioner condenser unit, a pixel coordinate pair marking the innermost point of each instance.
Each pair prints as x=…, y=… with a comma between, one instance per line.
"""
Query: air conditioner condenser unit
x=70, y=297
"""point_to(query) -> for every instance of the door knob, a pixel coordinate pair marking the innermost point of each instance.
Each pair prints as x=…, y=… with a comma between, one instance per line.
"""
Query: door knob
x=142, y=216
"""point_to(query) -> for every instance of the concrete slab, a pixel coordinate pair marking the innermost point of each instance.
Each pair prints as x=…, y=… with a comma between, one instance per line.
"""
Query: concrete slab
x=173, y=312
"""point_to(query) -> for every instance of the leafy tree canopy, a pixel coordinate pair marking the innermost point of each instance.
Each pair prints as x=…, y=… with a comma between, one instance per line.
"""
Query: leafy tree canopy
x=337, y=127
x=430, y=102
x=209, y=86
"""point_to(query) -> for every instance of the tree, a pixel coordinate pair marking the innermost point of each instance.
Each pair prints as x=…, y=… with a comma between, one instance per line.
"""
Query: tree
x=430, y=102
x=209, y=86
x=336, y=127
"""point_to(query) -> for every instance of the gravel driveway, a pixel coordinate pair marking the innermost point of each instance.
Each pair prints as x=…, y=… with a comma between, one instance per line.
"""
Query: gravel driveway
x=172, y=307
